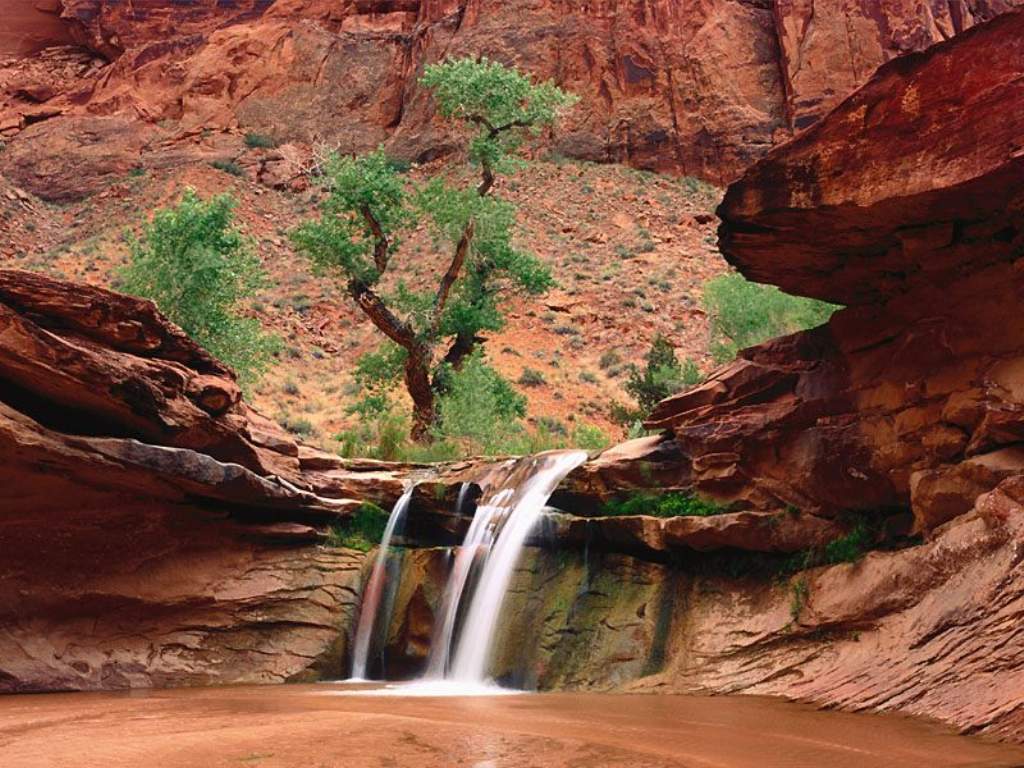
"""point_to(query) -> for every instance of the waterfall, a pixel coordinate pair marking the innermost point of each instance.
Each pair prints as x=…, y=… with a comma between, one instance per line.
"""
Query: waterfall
x=514, y=494
x=478, y=539
x=513, y=512
x=374, y=590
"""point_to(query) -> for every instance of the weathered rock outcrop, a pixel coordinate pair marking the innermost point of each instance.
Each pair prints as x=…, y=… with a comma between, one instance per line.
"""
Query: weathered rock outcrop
x=907, y=204
x=932, y=630
x=154, y=530
x=699, y=88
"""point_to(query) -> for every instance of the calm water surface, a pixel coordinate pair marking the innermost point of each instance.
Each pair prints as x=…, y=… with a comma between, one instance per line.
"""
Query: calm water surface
x=320, y=726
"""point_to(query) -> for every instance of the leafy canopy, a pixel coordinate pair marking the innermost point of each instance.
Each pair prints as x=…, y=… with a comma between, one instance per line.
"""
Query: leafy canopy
x=744, y=314
x=200, y=270
x=495, y=99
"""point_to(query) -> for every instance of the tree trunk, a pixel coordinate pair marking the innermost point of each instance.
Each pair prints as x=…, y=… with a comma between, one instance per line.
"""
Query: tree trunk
x=417, y=381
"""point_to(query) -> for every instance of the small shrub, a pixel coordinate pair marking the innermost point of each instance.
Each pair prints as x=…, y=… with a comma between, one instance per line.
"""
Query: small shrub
x=259, y=141
x=608, y=359
x=290, y=388
x=666, y=505
x=661, y=376
x=228, y=166
x=587, y=377
x=849, y=548
x=301, y=427
x=800, y=593
x=362, y=531
x=590, y=438
x=531, y=378
x=552, y=426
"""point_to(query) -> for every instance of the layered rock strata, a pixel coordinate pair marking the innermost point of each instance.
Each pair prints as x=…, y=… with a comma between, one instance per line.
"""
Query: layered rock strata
x=697, y=88
x=154, y=530
x=907, y=205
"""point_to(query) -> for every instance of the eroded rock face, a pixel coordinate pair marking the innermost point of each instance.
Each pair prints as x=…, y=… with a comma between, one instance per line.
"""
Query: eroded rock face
x=931, y=630
x=30, y=25
x=698, y=88
x=907, y=203
x=159, y=532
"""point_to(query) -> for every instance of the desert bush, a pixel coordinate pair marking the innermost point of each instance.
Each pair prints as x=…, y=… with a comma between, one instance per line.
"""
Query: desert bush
x=259, y=141
x=661, y=376
x=531, y=377
x=664, y=505
x=201, y=272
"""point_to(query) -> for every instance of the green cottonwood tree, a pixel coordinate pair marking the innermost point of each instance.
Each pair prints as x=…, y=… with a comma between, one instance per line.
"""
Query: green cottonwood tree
x=200, y=270
x=370, y=205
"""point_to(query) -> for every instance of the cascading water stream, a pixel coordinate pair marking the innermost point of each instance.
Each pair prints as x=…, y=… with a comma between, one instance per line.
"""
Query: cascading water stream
x=515, y=494
x=521, y=502
x=478, y=541
x=374, y=590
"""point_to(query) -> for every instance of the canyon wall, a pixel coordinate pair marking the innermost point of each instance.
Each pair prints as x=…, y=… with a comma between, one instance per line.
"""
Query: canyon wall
x=903, y=415
x=153, y=529
x=701, y=87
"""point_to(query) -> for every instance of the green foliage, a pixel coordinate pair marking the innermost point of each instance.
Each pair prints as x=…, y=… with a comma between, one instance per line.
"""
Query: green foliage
x=380, y=434
x=228, y=166
x=478, y=408
x=531, y=377
x=661, y=376
x=743, y=314
x=341, y=242
x=493, y=98
x=259, y=141
x=494, y=266
x=362, y=531
x=301, y=427
x=798, y=599
x=665, y=505
x=201, y=271
x=378, y=372
x=848, y=548
x=479, y=413
x=590, y=438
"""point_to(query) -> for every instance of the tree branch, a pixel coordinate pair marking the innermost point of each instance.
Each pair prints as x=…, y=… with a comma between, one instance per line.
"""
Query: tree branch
x=461, y=348
x=382, y=317
x=493, y=131
x=380, y=240
x=449, y=278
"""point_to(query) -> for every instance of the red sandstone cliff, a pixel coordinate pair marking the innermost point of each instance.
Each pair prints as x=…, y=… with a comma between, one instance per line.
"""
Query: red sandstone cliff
x=702, y=87
x=153, y=529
